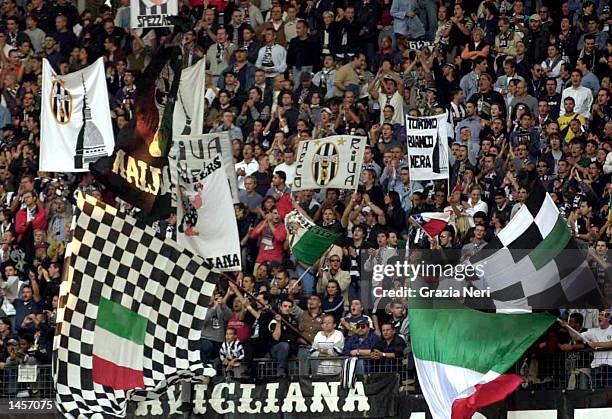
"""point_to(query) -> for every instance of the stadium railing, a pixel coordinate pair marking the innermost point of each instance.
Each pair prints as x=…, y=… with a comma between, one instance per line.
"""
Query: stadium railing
x=554, y=371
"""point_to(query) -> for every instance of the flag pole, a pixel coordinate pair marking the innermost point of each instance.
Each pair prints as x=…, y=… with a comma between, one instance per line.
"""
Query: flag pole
x=248, y=294
x=306, y=271
x=573, y=331
x=414, y=223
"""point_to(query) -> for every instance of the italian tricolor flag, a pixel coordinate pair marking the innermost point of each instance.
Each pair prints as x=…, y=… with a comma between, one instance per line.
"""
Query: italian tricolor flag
x=308, y=241
x=118, y=347
x=462, y=356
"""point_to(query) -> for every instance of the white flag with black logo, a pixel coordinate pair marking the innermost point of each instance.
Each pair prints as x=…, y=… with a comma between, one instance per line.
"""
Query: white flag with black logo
x=427, y=140
x=188, y=114
x=206, y=223
x=76, y=127
x=152, y=13
x=331, y=162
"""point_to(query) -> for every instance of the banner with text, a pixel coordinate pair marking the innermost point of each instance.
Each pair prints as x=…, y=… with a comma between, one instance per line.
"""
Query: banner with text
x=206, y=147
x=427, y=142
x=331, y=162
x=376, y=397
x=204, y=210
x=152, y=13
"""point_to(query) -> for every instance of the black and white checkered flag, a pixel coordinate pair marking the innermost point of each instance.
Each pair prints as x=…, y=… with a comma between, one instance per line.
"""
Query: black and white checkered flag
x=534, y=263
x=130, y=315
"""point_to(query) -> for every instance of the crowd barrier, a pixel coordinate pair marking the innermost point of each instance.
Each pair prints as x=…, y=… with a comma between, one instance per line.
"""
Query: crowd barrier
x=555, y=371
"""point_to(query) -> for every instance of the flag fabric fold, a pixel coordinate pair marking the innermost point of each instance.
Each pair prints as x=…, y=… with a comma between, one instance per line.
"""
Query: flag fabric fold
x=534, y=262
x=432, y=222
x=130, y=314
x=462, y=356
x=137, y=172
x=308, y=241
x=204, y=209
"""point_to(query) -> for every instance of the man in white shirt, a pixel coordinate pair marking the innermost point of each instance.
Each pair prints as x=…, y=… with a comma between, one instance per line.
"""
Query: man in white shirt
x=272, y=57
x=601, y=338
x=328, y=342
x=583, y=97
x=247, y=166
x=388, y=89
x=288, y=166
x=475, y=204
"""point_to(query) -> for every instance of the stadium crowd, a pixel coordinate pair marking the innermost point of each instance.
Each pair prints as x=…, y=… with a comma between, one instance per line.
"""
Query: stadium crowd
x=526, y=83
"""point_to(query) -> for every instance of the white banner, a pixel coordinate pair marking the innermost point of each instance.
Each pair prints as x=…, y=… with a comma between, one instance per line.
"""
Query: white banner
x=331, y=162
x=206, y=147
x=152, y=13
x=427, y=141
x=75, y=124
x=188, y=116
x=204, y=210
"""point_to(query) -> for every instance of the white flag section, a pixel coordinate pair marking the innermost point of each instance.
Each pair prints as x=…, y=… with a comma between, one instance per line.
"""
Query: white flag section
x=188, y=116
x=205, y=147
x=152, y=13
x=75, y=125
x=331, y=162
x=204, y=211
x=427, y=139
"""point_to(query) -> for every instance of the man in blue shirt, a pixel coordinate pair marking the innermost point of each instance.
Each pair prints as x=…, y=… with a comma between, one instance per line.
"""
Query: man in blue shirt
x=25, y=305
x=361, y=345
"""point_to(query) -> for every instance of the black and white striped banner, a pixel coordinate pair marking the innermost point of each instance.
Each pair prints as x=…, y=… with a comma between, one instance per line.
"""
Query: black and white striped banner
x=152, y=13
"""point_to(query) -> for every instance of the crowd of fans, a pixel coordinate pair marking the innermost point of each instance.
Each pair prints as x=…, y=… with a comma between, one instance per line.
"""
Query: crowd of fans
x=526, y=83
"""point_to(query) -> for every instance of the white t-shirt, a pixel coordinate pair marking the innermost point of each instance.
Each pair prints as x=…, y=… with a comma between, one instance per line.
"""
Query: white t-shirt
x=397, y=101
x=598, y=334
x=289, y=171
x=249, y=169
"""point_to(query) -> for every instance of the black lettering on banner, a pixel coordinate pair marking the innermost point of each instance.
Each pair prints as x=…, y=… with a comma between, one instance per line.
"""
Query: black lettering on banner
x=421, y=141
x=422, y=123
x=152, y=21
x=420, y=162
x=297, y=180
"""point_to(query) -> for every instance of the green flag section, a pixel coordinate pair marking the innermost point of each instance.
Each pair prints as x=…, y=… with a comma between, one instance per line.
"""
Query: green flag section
x=462, y=355
x=118, y=347
x=308, y=241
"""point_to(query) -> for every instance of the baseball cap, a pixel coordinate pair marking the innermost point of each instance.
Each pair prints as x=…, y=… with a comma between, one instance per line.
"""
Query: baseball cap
x=451, y=66
x=535, y=17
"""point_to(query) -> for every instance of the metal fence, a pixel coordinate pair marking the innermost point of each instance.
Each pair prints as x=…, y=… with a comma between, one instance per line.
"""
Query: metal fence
x=556, y=371
x=24, y=381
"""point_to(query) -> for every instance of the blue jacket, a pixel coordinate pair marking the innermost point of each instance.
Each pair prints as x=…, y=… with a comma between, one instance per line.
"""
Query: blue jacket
x=412, y=27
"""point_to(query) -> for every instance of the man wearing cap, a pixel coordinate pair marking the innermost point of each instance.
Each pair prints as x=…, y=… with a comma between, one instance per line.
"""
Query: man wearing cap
x=536, y=39
x=446, y=82
x=388, y=89
x=361, y=344
x=243, y=69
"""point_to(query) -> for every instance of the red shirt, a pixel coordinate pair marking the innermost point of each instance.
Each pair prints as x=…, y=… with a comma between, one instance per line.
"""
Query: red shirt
x=243, y=330
x=270, y=243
